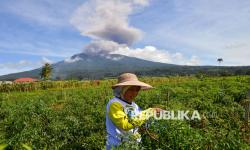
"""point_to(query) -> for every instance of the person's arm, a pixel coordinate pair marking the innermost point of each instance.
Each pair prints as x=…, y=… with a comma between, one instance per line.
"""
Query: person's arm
x=120, y=119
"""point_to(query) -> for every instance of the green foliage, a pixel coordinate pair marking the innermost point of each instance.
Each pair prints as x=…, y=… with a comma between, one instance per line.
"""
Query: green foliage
x=43, y=85
x=3, y=146
x=46, y=71
x=26, y=147
x=71, y=114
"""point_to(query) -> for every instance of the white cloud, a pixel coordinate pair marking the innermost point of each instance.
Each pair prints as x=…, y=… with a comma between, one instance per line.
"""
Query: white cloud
x=17, y=65
x=151, y=53
x=147, y=53
x=71, y=60
x=116, y=58
x=12, y=67
x=194, y=61
x=22, y=65
x=46, y=60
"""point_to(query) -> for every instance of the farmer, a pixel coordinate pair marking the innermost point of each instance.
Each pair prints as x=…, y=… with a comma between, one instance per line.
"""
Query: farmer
x=123, y=115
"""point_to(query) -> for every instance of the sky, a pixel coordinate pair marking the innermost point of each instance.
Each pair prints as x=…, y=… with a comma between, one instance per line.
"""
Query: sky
x=185, y=32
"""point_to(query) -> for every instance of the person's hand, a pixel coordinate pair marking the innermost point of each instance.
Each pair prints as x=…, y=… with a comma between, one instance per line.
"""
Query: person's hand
x=142, y=130
x=158, y=110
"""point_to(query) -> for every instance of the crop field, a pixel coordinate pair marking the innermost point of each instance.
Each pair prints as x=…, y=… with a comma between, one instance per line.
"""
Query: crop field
x=71, y=114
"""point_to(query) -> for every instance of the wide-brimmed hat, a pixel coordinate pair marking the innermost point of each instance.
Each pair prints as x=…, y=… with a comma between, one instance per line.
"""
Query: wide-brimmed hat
x=131, y=79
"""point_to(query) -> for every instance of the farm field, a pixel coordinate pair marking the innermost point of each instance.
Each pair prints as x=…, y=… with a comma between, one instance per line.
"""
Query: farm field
x=71, y=114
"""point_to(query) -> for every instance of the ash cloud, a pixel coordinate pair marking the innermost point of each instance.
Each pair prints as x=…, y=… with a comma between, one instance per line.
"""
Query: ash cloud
x=108, y=20
x=102, y=47
x=106, y=23
x=121, y=35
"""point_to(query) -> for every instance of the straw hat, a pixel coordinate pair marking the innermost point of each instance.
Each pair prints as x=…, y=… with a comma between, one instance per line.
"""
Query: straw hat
x=131, y=79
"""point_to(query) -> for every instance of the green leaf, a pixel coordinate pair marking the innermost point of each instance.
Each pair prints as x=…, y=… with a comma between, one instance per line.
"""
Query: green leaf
x=26, y=147
x=3, y=146
x=45, y=148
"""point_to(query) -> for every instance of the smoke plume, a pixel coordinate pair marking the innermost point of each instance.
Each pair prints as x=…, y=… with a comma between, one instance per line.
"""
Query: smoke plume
x=107, y=20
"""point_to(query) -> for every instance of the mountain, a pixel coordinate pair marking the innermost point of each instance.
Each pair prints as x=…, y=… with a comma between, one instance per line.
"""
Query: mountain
x=85, y=66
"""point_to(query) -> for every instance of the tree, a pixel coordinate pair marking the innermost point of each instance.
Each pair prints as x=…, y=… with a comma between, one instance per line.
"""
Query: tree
x=46, y=71
x=220, y=60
